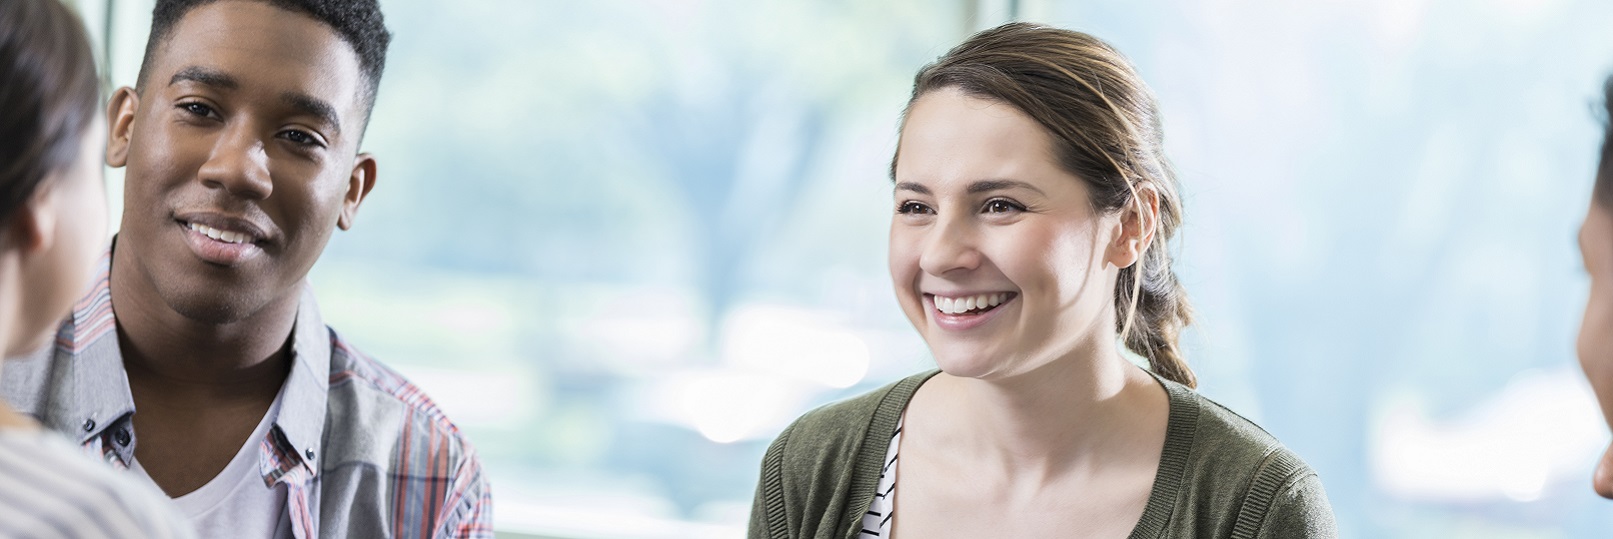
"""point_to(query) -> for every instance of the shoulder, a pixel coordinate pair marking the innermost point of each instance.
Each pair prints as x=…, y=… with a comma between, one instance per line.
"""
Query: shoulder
x=378, y=416
x=378, y=421
x=840, y=427
x=365, y=384
x=1237, y=475
x=54, y=490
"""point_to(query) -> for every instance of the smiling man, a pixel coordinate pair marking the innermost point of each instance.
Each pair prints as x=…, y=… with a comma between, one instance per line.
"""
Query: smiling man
x=199, y=361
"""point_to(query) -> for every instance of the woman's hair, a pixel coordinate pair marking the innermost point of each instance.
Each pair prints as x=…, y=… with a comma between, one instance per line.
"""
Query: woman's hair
x=49, y=96
x=1106, y=130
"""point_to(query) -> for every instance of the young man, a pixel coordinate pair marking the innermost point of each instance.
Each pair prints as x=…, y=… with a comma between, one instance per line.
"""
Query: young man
x=200, y=361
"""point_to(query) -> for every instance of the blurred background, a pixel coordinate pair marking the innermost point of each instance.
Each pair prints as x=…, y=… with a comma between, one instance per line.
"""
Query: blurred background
x=624, y=242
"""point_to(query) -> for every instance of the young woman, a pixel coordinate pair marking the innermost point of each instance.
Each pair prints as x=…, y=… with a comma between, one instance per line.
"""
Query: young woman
x=1595, y=344
x=52, y=228
x=1032, y=206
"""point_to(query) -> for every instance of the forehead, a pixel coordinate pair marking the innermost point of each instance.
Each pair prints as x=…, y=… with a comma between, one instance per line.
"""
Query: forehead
x=952, y=138
x=267, y=49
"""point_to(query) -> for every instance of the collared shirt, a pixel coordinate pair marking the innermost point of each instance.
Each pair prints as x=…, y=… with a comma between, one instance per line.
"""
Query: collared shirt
x=361, y=451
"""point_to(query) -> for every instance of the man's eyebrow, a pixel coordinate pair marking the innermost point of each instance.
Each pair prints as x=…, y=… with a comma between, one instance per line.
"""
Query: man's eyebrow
x=206, y=76
x=910, y=186
x=984, y=186
x=314, y=106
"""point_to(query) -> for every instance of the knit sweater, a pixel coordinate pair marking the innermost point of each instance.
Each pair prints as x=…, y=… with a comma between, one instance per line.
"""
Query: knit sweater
x=1220, y=475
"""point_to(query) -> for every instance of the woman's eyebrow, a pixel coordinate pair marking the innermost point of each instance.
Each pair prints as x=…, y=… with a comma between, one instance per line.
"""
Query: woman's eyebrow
x=914, y=187
x=983, y=186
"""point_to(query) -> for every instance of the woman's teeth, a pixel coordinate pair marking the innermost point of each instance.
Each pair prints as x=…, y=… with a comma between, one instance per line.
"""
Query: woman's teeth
x=969, y=303
x=220, y=235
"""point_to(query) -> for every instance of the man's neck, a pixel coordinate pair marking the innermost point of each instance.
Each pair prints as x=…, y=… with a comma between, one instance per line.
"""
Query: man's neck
x=246, y=358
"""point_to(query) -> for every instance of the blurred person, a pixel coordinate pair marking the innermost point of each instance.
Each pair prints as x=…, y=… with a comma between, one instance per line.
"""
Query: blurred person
x=1032, y=207
x=1595, y=346
x=52, y=225
x=200, y=363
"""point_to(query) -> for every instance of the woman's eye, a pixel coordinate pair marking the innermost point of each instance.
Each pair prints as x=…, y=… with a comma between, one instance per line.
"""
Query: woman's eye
x=1002, y=206
x=913, y=208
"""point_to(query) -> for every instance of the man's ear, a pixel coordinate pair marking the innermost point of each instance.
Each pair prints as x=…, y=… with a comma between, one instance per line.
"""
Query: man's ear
x=1135, y=231
x=359, y=184
x=120, y=111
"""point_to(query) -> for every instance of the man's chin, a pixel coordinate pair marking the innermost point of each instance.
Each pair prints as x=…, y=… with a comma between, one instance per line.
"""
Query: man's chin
x=1602, y=479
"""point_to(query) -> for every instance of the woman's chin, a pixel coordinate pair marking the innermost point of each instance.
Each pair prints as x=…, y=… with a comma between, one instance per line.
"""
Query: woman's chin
x=968, y=365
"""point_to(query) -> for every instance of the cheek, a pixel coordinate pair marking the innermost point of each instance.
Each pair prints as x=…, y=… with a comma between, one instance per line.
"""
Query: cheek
x=1051, y=261
x=904, y=261
x=1595, y=343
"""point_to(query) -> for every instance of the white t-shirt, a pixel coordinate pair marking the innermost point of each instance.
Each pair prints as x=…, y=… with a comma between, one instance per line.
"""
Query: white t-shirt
x=236, y=503
x=50, y=489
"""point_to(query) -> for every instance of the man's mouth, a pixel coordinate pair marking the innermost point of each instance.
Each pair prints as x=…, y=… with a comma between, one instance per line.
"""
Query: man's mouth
x=223, y=241
x=971, y=305
x=220, y=235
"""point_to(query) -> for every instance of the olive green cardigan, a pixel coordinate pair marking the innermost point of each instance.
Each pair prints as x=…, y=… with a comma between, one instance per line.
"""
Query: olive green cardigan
x=1219, y=475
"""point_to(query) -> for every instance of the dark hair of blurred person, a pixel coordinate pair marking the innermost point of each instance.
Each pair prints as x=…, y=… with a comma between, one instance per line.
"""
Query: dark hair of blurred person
x=52, y=227
x=1032, y=207
x=1595, y=346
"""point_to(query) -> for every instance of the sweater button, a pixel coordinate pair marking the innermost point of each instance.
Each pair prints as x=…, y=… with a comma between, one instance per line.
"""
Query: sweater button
x=89, y=425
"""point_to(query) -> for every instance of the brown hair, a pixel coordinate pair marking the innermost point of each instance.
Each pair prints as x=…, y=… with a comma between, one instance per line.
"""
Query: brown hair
x=49, y=97
x=1106, y=130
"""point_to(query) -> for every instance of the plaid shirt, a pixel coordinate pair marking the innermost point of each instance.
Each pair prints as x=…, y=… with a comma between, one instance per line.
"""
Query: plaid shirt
x=361, y=451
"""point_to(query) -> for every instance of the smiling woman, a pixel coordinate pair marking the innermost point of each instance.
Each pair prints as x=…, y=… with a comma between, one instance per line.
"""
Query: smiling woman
x=1033, y=203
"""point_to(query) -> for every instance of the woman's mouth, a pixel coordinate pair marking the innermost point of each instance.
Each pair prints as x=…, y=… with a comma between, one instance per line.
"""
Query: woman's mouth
x=972, y=305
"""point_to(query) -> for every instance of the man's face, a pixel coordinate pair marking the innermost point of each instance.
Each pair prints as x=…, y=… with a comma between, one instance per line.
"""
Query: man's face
x=241, y=154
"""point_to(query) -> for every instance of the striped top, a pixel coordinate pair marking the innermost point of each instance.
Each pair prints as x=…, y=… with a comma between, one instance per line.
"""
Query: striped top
x=49, y=490
x=881, y=513
x=360, y=450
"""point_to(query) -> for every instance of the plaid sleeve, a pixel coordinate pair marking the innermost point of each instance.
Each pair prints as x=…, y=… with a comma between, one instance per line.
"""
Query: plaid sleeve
x=468, y=510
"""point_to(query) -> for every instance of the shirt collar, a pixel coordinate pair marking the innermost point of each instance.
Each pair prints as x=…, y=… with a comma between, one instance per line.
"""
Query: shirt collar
x=99, y=392
x=99, y=395
x=302, y=410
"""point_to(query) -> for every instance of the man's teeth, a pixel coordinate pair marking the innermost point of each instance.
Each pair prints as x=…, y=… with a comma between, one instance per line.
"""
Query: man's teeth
x=220, y=235
x=969, y=303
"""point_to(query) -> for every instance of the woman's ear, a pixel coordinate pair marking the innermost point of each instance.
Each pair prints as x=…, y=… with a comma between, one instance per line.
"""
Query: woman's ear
x=1139, y=219
x=28, y=229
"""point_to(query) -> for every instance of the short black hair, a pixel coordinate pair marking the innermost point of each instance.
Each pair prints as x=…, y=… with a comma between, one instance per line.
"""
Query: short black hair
x=49, y=98
x=357, y=22
x=1603, y=192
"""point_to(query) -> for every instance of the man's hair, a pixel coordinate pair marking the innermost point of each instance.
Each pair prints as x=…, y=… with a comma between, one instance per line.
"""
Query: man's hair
x=1603, y=193
x=357, y=22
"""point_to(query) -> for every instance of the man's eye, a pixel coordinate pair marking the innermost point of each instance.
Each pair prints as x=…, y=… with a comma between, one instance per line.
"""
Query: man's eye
x=913, y=208
x=197, y=109
x=300, y=138
x=998, y=205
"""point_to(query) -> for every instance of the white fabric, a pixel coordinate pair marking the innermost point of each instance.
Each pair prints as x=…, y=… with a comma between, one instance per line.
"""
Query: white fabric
x=236, y=503
x=881, y=514
x=50, y=489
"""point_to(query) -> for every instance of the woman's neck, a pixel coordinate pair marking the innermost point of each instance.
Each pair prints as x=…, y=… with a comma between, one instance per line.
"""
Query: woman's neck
x=1075, y=414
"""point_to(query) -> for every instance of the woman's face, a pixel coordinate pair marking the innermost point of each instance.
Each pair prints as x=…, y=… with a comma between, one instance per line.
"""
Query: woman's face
x=71, y=209
x=1596, y=330
x=998, y=257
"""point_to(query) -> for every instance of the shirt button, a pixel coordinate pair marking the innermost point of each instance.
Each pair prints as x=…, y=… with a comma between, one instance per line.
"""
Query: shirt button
x=89, y=425
x=309, y=453
x=121, y=437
